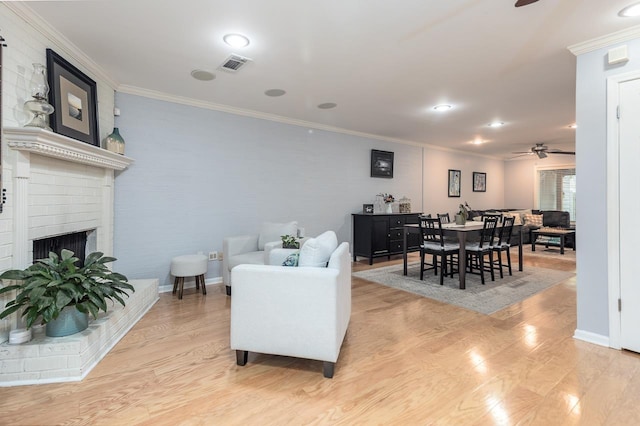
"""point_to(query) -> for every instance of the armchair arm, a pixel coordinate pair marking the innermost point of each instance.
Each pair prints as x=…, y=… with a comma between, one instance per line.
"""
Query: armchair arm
x=268, y=247
x=278, y=255
x=237, y=245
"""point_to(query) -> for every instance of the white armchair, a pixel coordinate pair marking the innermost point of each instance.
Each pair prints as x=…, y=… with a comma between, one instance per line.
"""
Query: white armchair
x=292, y=311
x=253, y=249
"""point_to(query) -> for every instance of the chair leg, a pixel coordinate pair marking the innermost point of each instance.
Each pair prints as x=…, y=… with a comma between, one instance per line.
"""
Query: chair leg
x=443, y=270
x=175, y=285
x=181, y=290
x=435, y=264
x=493, y=277
x=204, y=287
x=327, y=369
x=499, y=254
x=241, y=357
x=509, y=261
x=481, y=256
x=421, y=265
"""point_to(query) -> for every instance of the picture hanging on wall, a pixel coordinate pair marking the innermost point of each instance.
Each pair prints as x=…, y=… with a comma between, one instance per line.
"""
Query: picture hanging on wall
x=73, y=95
x=381, y=164
x=454, y=183
x=479, y=182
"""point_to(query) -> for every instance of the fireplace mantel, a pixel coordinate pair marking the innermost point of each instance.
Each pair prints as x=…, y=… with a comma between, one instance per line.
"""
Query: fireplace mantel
x=49, y=144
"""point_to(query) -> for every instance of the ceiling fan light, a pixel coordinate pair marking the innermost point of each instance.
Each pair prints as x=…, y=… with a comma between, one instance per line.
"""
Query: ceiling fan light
x=496, y=124
x=630, y=11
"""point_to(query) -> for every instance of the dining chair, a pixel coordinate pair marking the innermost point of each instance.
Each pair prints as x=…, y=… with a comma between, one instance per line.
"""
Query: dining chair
x=434, y=244
x=504, y=244
x=476, y=251
x=444, y=217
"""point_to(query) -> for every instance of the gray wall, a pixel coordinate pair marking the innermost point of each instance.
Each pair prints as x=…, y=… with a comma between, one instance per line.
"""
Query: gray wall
x=201, y=175
x=591, y=169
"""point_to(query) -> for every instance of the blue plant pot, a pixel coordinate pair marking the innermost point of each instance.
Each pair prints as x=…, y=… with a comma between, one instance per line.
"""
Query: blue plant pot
x=70, y=321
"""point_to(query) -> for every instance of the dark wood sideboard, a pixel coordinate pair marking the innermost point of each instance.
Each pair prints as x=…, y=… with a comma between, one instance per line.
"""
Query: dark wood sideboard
x=378, y=235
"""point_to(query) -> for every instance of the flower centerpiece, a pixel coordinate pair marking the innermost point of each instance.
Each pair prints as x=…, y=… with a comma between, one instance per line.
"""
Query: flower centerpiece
x=388, y=200
x=462, y=215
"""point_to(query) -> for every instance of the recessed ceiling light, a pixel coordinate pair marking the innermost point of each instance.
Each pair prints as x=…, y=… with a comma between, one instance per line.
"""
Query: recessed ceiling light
x=236, y=40
x=327, y=105
x=496, y=124
x=274, y=92
x=573, y=126
x=630, y=11
x=203, y=75
x=478, y=141
x=442, y=107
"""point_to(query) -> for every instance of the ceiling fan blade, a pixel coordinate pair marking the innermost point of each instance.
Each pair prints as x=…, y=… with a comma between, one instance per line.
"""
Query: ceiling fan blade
x=541, y=154
x=522, y=152
x=520, y=3
x=562, y=152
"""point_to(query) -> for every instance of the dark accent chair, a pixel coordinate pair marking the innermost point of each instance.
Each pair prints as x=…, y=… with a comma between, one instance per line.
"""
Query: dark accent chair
x=434, y=244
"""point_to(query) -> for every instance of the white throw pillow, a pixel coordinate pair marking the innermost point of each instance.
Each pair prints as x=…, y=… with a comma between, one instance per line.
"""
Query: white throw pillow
x=317, y=251
x=271, y=231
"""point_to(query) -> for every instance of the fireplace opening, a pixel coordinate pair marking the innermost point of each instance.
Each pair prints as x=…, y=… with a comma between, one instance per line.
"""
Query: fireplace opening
x=76, y=242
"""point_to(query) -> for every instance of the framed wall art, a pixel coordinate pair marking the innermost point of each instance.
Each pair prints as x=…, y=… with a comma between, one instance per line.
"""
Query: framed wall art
x=454, y=183
x=73, y=95
x=367, y=208
x=381, y=164
x=479, y=182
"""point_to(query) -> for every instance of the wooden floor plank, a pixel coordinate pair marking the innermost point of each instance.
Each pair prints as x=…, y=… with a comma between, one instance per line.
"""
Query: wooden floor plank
x=405, y=360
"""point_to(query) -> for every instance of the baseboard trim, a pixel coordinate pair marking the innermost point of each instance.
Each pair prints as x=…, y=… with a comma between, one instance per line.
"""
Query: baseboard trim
x=587, y=336
x=190, y=283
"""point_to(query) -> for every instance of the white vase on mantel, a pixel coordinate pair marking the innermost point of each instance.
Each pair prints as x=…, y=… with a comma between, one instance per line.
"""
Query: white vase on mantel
x=389, y=208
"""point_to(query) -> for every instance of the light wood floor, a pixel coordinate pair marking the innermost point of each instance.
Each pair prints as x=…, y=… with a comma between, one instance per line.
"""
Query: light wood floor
x=406, y=360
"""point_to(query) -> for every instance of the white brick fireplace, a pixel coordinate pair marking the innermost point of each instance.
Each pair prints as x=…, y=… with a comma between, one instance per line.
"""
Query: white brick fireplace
x=60, y=186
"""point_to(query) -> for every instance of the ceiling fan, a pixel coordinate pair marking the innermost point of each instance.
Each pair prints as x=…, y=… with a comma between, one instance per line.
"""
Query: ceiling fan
x=541, y=150
x=524, y=2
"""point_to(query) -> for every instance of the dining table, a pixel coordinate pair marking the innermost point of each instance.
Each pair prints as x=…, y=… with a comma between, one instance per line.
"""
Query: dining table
x=461, y=232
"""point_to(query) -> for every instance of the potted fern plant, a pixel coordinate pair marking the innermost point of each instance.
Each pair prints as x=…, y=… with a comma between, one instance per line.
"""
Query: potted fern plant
x=61, y=294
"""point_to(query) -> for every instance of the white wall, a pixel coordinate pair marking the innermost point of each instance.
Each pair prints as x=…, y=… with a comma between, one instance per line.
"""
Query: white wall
x=436, y=166
x=591, y=169
x=201, y=175
x=519, y=179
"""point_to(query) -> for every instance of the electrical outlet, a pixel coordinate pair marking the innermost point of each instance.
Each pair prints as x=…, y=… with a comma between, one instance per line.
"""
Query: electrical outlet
x=213, y=255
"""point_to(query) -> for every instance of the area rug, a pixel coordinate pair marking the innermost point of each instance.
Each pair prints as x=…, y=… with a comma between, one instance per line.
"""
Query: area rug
x=485, y=299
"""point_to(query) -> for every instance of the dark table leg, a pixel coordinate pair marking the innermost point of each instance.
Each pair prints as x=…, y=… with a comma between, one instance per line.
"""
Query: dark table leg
x=561, y=244
x=462, y=260
x=404, y=250
x=520, y=251
x=534, y=237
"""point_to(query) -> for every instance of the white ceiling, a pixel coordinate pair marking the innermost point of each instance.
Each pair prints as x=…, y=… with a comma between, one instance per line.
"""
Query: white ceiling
x=385, y=63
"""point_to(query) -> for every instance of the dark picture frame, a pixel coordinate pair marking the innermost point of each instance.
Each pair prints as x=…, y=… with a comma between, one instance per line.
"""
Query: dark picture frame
x=74, y=96
x=455, y=176
x=479, y=182
x=381, y=164
x=367, y=208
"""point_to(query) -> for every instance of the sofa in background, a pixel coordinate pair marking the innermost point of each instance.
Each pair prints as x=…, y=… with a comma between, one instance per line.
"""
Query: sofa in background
x=550, y=218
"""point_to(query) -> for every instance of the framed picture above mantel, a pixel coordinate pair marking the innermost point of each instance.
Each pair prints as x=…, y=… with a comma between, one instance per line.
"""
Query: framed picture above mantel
x=74, y=97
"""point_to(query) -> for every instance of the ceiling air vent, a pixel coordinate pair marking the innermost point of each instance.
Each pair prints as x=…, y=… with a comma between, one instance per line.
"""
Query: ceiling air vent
x=233, y=63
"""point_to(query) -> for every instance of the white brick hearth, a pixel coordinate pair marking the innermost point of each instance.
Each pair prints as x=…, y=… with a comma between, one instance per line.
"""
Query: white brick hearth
x=71, y=358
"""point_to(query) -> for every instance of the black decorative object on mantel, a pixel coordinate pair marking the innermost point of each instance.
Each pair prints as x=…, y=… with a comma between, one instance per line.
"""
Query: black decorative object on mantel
x=74, y=97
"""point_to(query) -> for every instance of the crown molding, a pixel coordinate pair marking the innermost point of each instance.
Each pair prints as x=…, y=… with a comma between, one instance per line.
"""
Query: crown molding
x=49, y=144
x=161, y=96
x=605, y=41
x=71, y=50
